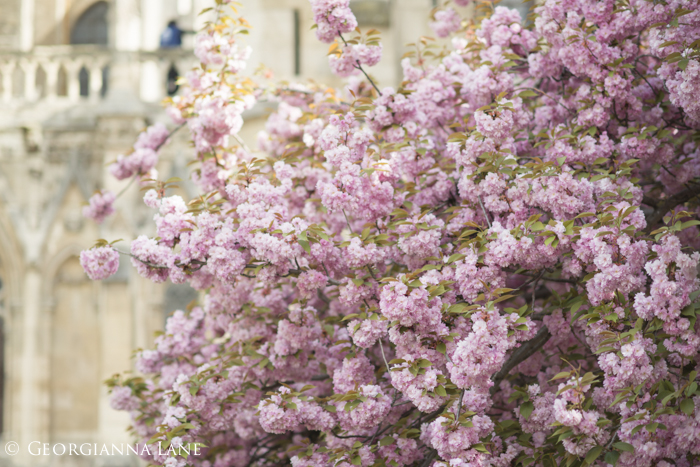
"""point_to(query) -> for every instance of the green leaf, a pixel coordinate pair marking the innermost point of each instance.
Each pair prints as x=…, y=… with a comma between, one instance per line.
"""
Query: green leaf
x=526, y=409
x=687, y=406
x=612, y=457
x=626, y=447
x=455, y=257
x=560, y=375
x=593, y=454
x=387, y=440
x=528, y=93
x=480, y=447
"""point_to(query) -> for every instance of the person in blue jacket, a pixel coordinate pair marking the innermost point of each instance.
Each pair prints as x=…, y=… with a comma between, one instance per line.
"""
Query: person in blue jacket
x=172, y=36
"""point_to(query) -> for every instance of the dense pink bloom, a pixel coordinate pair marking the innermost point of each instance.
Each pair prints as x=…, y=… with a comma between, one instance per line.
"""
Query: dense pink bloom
x=101, y=205
x=332, y=17
x=446, y=22
x=123, y=399
x=153, y=138
x=100, y=263
x=491, y=264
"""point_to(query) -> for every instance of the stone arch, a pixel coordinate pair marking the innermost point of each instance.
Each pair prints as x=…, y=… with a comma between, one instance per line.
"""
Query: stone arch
x=92, y=26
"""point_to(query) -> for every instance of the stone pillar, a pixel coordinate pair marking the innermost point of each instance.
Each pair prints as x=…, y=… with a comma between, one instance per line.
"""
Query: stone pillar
x=29, y=68
x=153, y=22
x=73, y=80
x=33, y=397
x=127, y=24
x=27, y=25
x=51, y=68
x=152, y=86
x=60, y=19
x=116, y=327
x=95, y=81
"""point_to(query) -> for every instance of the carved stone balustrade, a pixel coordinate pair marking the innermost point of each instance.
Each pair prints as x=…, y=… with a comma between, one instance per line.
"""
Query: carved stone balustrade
x=80, y=73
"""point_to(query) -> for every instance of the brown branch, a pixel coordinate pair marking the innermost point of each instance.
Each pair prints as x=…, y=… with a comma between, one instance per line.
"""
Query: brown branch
x=520, y=355
x=649, y=201
x=429, y=458
x=666, y=205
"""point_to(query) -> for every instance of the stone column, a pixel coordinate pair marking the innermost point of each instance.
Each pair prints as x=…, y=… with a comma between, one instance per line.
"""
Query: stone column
x=29, y=68
x=127, y=25
x=73, y=79
x=27, y=25
x=51, y=68
x=153, y=22
x=95, y=81
x=33, y=397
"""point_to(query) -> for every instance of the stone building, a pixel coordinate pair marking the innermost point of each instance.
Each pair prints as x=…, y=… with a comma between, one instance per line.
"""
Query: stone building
x=78, y=80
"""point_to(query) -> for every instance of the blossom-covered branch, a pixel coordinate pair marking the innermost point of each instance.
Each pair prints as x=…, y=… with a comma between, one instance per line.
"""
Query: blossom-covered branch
x=452, y=272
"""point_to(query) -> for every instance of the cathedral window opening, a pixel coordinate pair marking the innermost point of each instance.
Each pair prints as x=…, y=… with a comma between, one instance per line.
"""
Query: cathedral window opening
x=92, y=26
x=84, y=78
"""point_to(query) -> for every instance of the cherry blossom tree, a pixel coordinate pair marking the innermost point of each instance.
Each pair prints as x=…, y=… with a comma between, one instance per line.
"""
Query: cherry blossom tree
x=493, y=264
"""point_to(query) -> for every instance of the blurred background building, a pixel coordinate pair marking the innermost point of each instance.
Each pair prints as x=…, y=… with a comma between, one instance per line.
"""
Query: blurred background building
x=79, y=79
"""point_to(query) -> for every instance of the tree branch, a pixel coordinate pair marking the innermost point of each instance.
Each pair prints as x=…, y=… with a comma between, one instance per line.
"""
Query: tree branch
x=520, y=355
x=664, y=206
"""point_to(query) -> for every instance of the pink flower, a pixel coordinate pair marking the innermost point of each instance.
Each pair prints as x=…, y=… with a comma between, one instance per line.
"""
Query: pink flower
x=332, y=17
x=446, y=22
x=100, y=263
x=101, y=205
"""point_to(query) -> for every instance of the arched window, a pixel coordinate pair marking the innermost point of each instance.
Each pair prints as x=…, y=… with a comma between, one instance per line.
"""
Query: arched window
x=92, y=26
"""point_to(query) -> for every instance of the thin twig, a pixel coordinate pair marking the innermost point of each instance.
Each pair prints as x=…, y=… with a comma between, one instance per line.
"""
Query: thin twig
x=150, y=265
x=459, y=405
x=488, y=221
x=242, y=143
x=520, y=355
x=381, y=347
x=347, y=221
x=359, y=67
x=131, y=182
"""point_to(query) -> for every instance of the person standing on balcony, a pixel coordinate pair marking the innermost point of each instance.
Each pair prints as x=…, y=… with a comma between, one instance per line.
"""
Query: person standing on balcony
x=171, y=38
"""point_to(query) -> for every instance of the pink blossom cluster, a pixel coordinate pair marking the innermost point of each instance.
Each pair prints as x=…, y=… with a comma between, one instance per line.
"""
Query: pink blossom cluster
x=100, y=262
x=332, y=18
x=101, y=206
x=353, y=56
x=446, y=22
x=144, y=156
x=214, y=49
x=491, y=264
